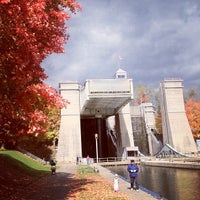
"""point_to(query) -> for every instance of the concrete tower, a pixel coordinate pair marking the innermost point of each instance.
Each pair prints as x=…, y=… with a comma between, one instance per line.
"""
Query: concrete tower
x=176, y=129
x=69, y=143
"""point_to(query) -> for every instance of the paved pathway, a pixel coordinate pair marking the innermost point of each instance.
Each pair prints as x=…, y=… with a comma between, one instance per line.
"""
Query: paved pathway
x=55, y=187
x=62, y=186
x=124, y=186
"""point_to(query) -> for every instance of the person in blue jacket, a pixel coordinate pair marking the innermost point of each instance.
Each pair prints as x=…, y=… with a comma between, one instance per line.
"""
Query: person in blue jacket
x=133, y=170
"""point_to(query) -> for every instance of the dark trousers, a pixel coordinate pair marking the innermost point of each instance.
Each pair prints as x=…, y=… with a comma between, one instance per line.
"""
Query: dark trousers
x=134, y=183
x=53, y=170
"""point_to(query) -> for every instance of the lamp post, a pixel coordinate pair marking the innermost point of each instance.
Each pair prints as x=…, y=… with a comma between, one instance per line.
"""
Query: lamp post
x=96, y=139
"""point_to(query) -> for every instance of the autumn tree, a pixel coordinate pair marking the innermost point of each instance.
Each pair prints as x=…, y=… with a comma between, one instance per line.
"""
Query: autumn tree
x=142, y=94
x=54, y=123
x=158, y=122
x=191, y=93
x=193, y=114
x=29, y=32
x=43, y=145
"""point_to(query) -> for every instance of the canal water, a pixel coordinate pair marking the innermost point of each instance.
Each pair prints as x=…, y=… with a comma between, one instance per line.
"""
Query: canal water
x=171, y=183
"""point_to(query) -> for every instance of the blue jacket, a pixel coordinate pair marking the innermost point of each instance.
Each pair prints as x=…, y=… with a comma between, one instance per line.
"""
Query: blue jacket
x=133, y=170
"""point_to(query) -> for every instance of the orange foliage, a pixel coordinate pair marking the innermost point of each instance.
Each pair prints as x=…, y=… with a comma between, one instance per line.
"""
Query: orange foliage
x=142, y=98
x=193, y=114
x=158, y=122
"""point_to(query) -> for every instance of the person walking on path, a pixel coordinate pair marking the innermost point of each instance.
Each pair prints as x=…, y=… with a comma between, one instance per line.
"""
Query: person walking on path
x=133, y=170
x=53, y=167
x=88, y=159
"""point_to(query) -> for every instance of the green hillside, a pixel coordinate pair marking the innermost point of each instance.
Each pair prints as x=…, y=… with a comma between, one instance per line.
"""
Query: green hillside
x=17, y=172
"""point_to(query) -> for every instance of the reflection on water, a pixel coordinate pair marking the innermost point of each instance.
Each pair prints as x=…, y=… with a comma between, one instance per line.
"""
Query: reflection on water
x=173, y=184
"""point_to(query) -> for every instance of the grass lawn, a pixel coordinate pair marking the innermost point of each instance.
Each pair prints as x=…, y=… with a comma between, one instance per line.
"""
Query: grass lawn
x=24, y=160
x=17, y=172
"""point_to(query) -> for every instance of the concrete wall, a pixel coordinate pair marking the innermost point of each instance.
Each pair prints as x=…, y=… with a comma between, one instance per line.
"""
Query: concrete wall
x=172, y=163
x=69, y=143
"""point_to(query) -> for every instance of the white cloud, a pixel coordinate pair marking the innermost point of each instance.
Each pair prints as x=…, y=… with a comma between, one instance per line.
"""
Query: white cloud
x=156, y=39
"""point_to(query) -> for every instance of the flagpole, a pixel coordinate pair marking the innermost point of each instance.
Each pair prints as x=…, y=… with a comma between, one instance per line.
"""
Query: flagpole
x=119, y=60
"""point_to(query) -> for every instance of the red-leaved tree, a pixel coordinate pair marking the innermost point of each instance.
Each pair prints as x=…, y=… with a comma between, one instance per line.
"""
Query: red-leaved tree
x=193, y=114
x=30, y=30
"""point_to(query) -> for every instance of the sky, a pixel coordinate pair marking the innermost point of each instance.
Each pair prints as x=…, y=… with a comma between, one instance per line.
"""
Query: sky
x=150, y=39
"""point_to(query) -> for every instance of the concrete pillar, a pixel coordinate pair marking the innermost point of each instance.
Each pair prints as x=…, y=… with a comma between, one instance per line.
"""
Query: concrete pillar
x=124, y=130
x=69, y=143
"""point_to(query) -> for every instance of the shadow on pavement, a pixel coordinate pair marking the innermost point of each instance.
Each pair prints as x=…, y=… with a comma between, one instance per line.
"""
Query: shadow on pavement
x=56, y=187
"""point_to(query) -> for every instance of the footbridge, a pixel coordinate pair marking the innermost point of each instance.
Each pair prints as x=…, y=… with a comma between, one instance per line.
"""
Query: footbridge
x=90, y=107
